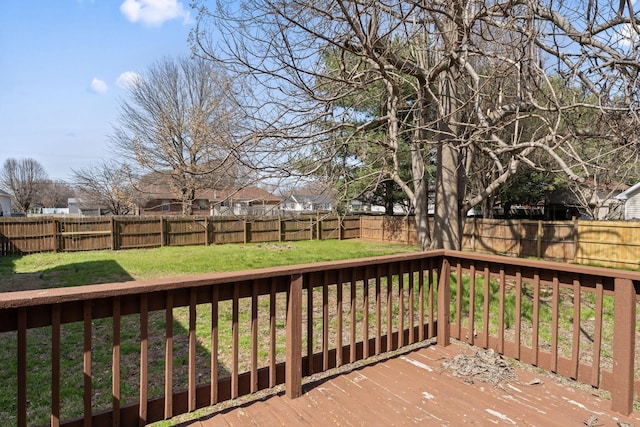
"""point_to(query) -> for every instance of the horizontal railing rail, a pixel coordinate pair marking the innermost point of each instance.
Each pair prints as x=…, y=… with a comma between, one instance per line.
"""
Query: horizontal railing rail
x=138, y=352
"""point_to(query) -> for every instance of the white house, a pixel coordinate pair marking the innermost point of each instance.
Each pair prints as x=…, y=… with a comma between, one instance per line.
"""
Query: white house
x=307, y=203
x=631, y=200
x=5, y=203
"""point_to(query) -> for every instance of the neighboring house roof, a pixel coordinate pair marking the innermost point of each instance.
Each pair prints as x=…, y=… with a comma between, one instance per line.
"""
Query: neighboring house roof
x=629, y=192
x=160, y=191
x=567, y=196
x=4, y=194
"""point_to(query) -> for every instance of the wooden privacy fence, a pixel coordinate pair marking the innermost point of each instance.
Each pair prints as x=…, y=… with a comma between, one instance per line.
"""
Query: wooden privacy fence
x=48, y=234
x=607, y=243
x=138, y=352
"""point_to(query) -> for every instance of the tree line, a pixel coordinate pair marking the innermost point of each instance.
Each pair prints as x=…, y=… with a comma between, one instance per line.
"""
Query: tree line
x=442, y=105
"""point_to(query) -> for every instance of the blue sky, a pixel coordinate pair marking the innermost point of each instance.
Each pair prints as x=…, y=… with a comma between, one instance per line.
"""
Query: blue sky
x=63, y=69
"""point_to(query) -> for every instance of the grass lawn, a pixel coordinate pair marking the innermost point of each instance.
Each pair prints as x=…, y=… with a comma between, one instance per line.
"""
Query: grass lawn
x=48, y=270
x=39, y=271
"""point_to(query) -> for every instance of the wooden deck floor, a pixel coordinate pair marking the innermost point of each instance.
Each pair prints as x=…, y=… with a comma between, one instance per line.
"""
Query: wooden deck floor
x=414, y=389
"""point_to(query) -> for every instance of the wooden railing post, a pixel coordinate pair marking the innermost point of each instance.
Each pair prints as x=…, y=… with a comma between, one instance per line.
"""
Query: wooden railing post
x=444, y=297
x=623, y=346
x=293, y=364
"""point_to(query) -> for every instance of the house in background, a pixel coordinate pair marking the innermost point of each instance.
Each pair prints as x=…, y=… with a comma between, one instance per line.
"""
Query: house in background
x=588, y=201
x=307, y=203
x=76, y=206
x=244, y=201
x=5, y=203
x=630, y=200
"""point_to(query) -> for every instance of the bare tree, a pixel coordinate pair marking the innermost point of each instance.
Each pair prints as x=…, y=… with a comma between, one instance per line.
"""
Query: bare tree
x=23, y=179
x=464, y=84
x=179, y=125
x=55, y=194
x=108, y=184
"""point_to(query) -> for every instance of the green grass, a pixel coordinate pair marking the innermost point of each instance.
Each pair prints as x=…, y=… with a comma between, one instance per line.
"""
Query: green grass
x=46, y=270
x=39, y=271
x=566, y=322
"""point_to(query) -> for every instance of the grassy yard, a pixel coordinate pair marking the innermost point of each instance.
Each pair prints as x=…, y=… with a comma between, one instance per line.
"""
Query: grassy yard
x=47, y=270
x=39, y=271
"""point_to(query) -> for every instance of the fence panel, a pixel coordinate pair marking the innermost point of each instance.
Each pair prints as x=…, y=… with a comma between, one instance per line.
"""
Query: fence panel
x=138, y=232
x=84, y=234
x=599, y=241
x=328, y=229
x=298, y=229
x=371, y=227
x=554, y=240
x=186, y=231
x=264, y=230
x=350, y=228
x=227, y=230
x=27, y=235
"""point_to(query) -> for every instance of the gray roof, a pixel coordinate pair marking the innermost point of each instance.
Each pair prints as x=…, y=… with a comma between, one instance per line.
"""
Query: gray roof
x=629, y=192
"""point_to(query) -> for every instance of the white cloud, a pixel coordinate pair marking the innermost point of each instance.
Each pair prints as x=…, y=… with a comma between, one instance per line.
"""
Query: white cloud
x=98, y=86
x=628, y=36
x=127, y=79
x=154, y=12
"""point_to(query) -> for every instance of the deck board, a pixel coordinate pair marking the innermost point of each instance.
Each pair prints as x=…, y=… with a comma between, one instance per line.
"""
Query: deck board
x=414, y=389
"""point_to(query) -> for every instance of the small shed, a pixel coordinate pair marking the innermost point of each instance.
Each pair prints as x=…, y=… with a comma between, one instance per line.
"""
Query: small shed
x=5, y=203
x=631, y=200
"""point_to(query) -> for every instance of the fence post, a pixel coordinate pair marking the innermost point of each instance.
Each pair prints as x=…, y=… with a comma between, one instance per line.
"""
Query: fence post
x=576, y=227
x=444, y=299
x=112, y=228
x=311, y=228
x=54, y=232
x=162, y=232
x=293, y=363
x=245, y=226
x=539, y=240
x=624, y=322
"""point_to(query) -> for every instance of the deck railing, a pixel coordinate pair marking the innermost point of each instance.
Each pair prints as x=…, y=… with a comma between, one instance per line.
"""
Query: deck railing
x=137, y=352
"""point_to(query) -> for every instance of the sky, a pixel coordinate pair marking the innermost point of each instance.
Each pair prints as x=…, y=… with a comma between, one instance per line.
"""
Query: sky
x=64, y=66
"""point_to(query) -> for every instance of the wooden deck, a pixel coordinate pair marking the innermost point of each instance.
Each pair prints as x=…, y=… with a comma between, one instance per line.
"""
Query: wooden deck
x=414, y=389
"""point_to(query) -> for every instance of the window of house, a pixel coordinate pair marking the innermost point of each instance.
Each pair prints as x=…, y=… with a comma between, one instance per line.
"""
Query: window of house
x=202, y=204
x=165, y=205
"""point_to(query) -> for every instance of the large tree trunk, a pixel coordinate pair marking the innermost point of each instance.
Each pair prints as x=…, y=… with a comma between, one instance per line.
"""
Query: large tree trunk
x=421, y=202
x=188, y=197
x=447, y=221
x=388, y=202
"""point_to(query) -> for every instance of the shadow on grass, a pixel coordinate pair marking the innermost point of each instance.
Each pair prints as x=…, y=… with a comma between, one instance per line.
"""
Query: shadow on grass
x=72, y=274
